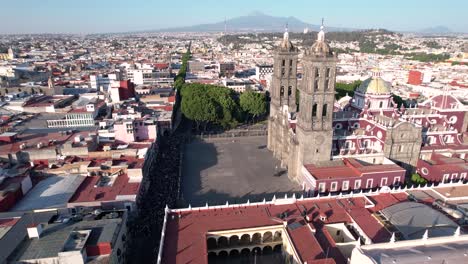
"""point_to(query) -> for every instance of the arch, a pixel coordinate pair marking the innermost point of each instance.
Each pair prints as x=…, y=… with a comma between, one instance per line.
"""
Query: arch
x=222, y=242
x=223, y=254
x=256, y=251
x=314, y=110
x=324, y=110
x=277, y=236
x=211, y=256
x=233, y=240
x=245, y=252
x=278, y=248
x=245, y=239
x=267, y=237
x=234, y=253
x=211, y=243
x=257, y=238
x=267, y=250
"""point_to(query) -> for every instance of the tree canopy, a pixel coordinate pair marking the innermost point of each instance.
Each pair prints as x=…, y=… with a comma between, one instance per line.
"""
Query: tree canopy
x=211, y=105
x=253, y=103
x=346, y=88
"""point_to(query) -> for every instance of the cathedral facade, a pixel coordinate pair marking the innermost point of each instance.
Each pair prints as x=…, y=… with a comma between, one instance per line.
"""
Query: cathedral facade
x=364, y=141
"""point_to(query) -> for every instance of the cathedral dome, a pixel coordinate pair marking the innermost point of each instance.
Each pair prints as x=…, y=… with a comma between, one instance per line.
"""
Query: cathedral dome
x=374, y=85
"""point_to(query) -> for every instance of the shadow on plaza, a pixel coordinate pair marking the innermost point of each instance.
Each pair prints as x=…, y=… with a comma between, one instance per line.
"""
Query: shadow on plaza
x=204, y=155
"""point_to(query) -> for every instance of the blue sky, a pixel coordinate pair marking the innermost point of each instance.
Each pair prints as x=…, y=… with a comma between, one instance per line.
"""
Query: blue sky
x=91, y=16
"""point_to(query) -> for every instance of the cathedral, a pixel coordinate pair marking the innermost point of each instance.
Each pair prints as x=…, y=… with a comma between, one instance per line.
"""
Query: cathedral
x=358, y=142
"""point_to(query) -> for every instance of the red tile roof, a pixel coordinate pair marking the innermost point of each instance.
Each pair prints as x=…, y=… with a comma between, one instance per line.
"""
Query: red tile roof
x=88, y=192
x=186, y=230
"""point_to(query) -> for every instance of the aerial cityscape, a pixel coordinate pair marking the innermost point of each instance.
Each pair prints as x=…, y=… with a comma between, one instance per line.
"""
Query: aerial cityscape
x=247, y=132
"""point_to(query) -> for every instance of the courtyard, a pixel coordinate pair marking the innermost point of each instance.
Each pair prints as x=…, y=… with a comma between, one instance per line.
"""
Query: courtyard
x=233, y=170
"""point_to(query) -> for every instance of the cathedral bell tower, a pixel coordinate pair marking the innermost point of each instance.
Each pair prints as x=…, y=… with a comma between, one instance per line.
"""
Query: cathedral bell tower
x=284, y=84
x=317, y=96
x=283, y=96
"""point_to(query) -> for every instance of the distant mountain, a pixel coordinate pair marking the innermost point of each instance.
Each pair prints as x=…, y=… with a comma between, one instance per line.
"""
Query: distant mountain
x=436, y=30
x=255, y=21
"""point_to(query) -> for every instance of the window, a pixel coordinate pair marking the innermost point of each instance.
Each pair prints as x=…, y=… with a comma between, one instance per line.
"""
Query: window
x=326, y=84
x=401, y=148
x=316, y=85
x=369, y=183
x=324, y=110
x=454, y=176
x=396, y=181
x=283, y=63
x=446, y=177
x=290, y=62
x=463, y=175
x=282, y=72
x=328, y=72
x=381, y=105
x=345, y=186
x=383, y=182
x=314, y=110
x=282, y=91
x=289, y=90
x=322, y=187
x=357, y=184
x=316, y=73
x=334, y=186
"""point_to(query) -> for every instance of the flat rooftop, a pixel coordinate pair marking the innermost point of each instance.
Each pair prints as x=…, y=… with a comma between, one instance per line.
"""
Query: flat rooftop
x=52, y=192
x=233, y=170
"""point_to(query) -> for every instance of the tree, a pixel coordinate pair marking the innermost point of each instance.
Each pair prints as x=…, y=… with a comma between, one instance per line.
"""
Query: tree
x=200, y=109
x=417, y=179
x=253, y=103
x=346, y=88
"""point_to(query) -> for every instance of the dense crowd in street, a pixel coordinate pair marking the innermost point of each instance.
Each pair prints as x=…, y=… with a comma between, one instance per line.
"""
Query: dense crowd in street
x=164, y=188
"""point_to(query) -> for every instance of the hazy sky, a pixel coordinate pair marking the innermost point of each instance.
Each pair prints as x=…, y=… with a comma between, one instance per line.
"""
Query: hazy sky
x=92, y=16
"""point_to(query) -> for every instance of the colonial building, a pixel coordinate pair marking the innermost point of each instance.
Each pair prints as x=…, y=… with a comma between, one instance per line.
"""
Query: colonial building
x=366, y=134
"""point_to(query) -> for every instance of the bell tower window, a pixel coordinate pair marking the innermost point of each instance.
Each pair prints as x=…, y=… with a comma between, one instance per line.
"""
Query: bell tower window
x=282, y=91
x=314, y=110
x=289, y=90
x=324, y=110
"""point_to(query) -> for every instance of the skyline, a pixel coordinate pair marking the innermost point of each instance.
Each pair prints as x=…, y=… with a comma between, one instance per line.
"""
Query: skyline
x=106, y=16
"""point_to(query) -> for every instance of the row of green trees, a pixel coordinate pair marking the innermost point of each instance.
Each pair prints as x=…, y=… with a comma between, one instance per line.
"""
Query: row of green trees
x=214, y=106
x=179, y=80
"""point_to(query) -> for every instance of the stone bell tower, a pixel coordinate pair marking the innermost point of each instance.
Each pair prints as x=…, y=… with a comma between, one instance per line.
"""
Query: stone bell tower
x=283, y=96
x=314, y=130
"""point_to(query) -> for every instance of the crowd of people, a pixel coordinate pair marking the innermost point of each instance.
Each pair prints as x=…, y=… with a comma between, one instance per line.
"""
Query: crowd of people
x=164, y=184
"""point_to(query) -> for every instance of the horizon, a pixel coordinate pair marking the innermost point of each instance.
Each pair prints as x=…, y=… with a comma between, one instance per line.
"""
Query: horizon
x=88, y=17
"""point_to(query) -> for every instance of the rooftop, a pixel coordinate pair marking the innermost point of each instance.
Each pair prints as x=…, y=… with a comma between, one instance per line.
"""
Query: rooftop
x=413, y=219
x=348, y=168
x=190, y=226
x=91, y=190
x=52, y=192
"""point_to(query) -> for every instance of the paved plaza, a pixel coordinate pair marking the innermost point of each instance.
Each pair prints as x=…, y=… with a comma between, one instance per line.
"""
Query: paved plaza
x=233, y=170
